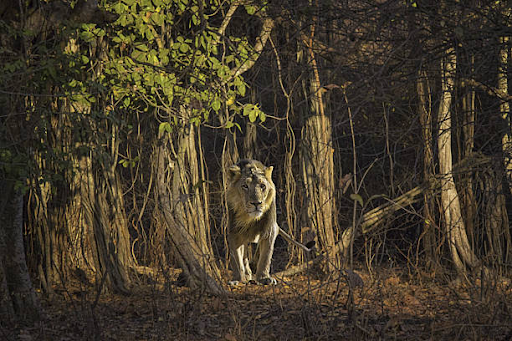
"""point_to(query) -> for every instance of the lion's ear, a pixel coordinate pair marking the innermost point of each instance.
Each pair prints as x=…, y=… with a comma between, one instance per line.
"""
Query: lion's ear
x=268, y=172
x=233, y=173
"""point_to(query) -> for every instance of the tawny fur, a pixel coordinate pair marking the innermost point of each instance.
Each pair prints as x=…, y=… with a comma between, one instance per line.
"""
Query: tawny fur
x=251, y=201
x=251, y=197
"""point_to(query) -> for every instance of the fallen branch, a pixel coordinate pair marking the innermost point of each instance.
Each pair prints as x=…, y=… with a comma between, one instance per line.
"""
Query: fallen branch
x=369, y=221
x=373, y=218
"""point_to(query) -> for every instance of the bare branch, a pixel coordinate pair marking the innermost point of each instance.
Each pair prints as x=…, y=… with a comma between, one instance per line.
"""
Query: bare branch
x=490, y=90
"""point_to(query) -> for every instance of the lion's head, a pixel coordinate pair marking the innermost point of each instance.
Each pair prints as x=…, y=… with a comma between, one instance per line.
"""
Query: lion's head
x=250, y=190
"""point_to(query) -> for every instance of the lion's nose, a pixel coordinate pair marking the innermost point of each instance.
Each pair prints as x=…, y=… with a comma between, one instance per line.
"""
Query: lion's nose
x=256, y=203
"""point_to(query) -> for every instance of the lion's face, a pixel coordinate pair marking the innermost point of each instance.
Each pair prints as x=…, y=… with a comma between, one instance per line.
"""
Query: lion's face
x=251, y=190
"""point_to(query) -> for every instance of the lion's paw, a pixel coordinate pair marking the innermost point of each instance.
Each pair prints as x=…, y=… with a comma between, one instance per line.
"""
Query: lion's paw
x=268, y=281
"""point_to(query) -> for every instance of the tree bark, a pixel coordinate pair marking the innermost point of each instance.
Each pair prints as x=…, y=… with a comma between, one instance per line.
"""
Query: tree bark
x=188, y=186
x=16, y=291
x=109, y=237
x=469, y=200
x=506, y=141
x=507, y=137
x=460, y=249
x=318, y=165
x=230, y=156
x=199, y=267
x=425, y=111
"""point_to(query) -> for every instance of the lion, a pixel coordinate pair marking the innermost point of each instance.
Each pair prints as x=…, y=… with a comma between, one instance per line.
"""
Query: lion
x=251, y=197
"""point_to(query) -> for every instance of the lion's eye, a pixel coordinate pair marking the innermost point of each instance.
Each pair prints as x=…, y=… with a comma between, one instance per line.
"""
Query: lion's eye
x=245, y=186
x=262, y=186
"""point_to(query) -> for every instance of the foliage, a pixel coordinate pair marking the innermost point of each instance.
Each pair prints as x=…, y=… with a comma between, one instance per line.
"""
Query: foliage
x=158, y=56
x=168, y=56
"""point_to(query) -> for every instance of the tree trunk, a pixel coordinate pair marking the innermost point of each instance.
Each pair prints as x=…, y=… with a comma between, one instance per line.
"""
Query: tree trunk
x=109, y=237
x=16, y=291
x=495, y=239
x=425, y=109
x=80, y=224
x=506, y=140
x=460, y=249
x=505, y=114
x=188, y=187
x=250, y=138
x=229, y=157
x=468, y=141
x=250, y=141
x=56, y=225
x=318, y=165
x=199, y=267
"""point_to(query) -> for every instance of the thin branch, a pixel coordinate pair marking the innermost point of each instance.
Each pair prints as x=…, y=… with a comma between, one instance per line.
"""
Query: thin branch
x=268, y=25
x=490, y=90
x=227, y=19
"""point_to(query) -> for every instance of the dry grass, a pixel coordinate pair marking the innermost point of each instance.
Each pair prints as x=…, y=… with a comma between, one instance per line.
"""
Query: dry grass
x=300, y=308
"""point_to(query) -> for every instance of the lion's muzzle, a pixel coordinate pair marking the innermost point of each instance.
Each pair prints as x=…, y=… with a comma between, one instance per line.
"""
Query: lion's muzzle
x=255, y=209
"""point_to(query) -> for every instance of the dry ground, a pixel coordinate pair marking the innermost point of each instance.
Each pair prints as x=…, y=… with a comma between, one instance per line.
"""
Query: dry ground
x=388, y=306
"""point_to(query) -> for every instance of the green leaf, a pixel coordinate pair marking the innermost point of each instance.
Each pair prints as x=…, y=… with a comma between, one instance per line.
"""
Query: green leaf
x=196, y=121
x=216, y=104
x=120, y=8
x=164, y=126
x=139, y=56
x=122, y=20
x=184, y=47
x=250, y=9
x=195, y=20
x=357, y=197
x=241, y=89
x=87, y=36
x=152, y=58
x=142, y=47
x=149, y=35
x=248, y=108
x=157, y=18
x=253, y=115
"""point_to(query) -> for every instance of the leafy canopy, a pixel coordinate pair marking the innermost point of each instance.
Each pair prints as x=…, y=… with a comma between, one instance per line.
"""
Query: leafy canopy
x=170, y=55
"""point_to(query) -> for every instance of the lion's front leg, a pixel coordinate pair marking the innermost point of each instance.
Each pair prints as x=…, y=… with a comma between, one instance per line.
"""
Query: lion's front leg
x=237, y=252
x=247, y=266
x=266, y=250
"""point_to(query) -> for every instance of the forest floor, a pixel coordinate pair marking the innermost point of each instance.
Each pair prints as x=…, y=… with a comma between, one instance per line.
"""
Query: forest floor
x=387, y=306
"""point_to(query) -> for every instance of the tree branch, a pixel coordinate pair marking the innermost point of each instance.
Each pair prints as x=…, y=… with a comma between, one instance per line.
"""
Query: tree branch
x=227, y=19
x=490, y=90
x=268, y=25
